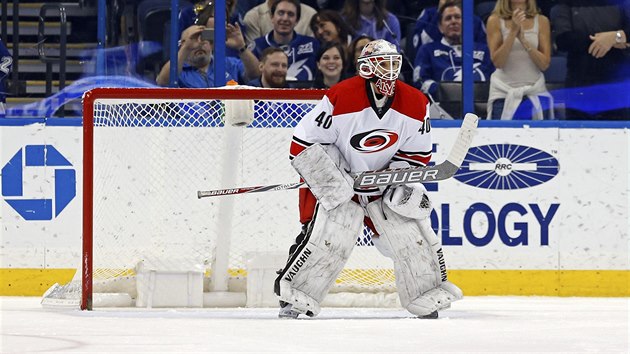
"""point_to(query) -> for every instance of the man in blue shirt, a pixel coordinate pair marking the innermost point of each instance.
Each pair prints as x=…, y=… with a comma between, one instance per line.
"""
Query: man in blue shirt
x=6, y=62
x=300, y=49
x=194, y=60
x=202, y=13
x=442, y=60
x=273, y=69
x=427, y=27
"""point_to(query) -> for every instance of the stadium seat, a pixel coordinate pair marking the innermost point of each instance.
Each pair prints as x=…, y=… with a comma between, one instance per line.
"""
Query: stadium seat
x=408, y=49
x=481, y=93
x=557, y=71
x=450, y=97
x=484, y=9
x=153, y=34
x=151, y=15
x=559, y=101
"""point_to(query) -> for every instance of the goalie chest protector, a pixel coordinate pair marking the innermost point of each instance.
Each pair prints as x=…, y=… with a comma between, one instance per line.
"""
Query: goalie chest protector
x=369, y=138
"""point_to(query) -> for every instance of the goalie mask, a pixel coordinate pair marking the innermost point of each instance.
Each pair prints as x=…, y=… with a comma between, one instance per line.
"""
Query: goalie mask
x=380, y=61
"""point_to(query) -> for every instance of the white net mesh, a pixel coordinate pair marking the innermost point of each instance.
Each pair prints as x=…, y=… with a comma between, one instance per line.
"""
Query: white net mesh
x=150, y=159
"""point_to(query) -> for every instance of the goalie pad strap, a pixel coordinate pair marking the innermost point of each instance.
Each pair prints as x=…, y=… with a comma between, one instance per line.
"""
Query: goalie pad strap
x=323, y=168
x=316, y=263
x=420, y=276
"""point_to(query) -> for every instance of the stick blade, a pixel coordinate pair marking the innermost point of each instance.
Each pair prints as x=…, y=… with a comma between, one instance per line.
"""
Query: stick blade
x=465, y=136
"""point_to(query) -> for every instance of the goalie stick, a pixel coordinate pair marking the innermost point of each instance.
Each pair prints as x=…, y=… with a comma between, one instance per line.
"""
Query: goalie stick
x=388, y=177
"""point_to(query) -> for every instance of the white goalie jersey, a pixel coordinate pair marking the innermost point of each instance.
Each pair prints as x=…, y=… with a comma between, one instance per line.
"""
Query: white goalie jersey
x=369, y=138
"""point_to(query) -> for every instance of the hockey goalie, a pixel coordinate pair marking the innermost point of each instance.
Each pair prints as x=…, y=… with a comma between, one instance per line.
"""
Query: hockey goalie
x=369, y=122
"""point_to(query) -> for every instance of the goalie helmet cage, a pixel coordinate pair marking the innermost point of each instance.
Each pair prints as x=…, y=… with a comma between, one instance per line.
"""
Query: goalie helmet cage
x=146, y=154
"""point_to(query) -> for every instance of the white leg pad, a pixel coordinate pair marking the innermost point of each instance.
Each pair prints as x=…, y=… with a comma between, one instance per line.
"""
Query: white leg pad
x=323, y=168
x=317, y=262
x=301, y=301
x=418, y=261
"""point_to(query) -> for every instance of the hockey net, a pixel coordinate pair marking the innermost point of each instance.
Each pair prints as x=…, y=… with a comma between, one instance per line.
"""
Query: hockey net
x=146, y=154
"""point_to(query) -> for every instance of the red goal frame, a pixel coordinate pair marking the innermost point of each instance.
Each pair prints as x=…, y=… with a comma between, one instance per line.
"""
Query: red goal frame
x=89, y=99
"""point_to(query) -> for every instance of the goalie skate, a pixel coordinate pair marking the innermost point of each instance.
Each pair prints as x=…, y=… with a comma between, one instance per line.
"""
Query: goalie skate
x=433, y=315
x=287, y=311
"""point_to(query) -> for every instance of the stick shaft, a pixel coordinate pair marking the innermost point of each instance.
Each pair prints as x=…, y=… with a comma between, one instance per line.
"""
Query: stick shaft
x=387, y=177
x=244, y=190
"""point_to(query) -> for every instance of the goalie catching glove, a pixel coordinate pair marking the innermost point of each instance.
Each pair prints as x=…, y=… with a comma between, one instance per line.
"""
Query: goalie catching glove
x=409, y=200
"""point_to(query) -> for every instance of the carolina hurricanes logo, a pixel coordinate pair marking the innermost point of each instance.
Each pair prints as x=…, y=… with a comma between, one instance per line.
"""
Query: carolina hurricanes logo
x=374, y=141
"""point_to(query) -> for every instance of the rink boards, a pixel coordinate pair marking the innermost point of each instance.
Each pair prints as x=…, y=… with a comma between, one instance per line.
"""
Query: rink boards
x=537, y=208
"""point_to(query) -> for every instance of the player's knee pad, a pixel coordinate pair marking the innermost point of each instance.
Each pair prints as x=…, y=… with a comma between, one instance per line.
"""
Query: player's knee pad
x=318, y=260
x=323, y=168
x=419, y=264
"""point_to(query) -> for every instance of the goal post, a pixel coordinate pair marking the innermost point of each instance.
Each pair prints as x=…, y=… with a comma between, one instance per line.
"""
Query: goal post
x=149, y=240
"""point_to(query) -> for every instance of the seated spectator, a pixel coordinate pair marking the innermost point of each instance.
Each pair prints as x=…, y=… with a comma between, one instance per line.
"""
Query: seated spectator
x=353, y=52
x=593, y=33
x=442, y=61
x=258, y=20
x=202, y=11
x=273, y=69
x=6, y=61
x=427, y=27
x=371, y=18
x=519, y=38
x=330, y=65
x=328, y=26
x=194, y=60
x=300, y=49
x=619, y=38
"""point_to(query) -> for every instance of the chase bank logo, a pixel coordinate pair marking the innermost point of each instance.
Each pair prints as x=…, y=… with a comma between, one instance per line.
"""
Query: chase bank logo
x=32, y=156
x=507, y=166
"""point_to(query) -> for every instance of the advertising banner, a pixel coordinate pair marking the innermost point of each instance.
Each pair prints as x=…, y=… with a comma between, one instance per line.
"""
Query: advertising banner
x=525, y=199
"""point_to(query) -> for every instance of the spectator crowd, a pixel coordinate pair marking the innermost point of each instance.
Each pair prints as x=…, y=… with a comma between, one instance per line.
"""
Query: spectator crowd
x=304, y=44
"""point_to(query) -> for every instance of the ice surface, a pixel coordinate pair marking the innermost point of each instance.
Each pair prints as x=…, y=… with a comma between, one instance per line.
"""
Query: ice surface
x=475, y=324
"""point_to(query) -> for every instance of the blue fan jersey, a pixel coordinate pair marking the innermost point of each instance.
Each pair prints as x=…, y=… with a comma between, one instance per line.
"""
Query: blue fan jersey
x=301, y=52
x=191, y=77
x=438, y=61
x=427, y=30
